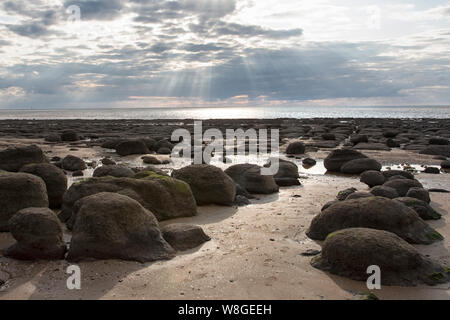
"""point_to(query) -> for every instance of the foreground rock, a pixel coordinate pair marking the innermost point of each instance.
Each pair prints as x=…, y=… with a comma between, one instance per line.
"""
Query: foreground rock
x=423, y=209
x=167, y=198
x=113, y=226
x=376, y=213
x=209, y=184
x=39, y=235
x=72, y=163
x=19, y=191
x=54, y=178
x=337, y=158
x=184, y=236
x=249, y=177
x=350, y=252
x=358, y=166
x=117, y=171
x=12, y=159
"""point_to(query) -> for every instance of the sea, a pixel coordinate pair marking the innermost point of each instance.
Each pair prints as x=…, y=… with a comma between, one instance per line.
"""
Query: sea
x=304, y=112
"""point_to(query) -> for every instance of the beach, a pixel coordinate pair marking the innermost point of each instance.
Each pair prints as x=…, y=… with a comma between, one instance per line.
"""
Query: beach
x=255, y=251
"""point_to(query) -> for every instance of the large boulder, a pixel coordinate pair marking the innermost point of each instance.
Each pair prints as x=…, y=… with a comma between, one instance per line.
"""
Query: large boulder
x=337, y=158
x=359, y=195
x=209, y=184
x=167, y=198
x=403, y=185
x=12, y=159
x=69, y=136
x=438, y=141
x=344, y=194
x=296, y=148
x=350, y=252
x=445, y=164
x=19, y=191
x=38, y=233
x=114, y=226
x=73, y=163
x=358, y=166
x=54, y=178
x=129, y=147
x=423, y=209
x=184, y=236
x=372, y=178
x=117, y=171
x=376, y=213
x=249, y=177
x=287, y=174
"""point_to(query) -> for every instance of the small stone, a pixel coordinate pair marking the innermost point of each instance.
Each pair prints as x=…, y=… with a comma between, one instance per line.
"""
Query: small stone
x=311, y=253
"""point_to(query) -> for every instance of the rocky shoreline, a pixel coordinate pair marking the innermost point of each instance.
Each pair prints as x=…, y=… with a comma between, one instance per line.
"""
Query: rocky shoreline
x=66, y=184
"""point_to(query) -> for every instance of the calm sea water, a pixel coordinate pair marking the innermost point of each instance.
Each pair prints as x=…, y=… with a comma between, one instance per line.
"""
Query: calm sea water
x=442, y=112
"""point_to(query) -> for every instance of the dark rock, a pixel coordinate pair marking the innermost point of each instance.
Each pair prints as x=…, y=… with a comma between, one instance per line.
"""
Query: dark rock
x=438, y=141
x=358, y=166
x=390, y=134
x=390, y=173
x=437, y=150
x=432, y=170
x=108, y=162
x=72, y=163
x=151, y=160
x=311, y=253
x=392, y=143
x=359, y=139
x=423, y=209
x=309, y=162
x=359, y=195
x=78, y=173
x=53, y=138
x=164, y=144
x=403, y=185
x=12, y=159
x=39, y=235
x=54, y=178
x=376, y=213
x=445, y=164
x=383, y=191
x=164, y=151
x=184, y=236
x=241, y=201
x=287, y=174
x=117, y=171
x=419, y=193
x=165, y=197
x=130, y=147
x=296, y=148
x=337, y=158
x=329, y=204
x=372, y=178
x=19, y=191
x=328, y=136
x=350, y=252
x=372, y=146
x=114, y=226
x=209, y=184
x=69, y=136
x=249, y=177
x=342, y=195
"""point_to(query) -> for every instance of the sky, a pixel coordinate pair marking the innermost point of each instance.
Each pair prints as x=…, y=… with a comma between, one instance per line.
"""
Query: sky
x=206, y=53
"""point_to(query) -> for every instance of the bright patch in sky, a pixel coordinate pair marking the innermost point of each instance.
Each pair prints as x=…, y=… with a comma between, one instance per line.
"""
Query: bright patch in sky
x=157, y=53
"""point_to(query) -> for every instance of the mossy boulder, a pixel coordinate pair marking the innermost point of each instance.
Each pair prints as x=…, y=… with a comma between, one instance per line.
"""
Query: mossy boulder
x=376, y=213
x=350, y=252
x=249, y=177
x=402, y=186
x=423, y=209
x=114, y=226
x=184, y=236
x=166, y=197
x=209, y=184
x=358, y=166
x=14, y=158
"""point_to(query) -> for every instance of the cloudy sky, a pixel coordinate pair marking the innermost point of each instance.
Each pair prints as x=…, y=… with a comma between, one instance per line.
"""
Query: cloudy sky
x=156, y=53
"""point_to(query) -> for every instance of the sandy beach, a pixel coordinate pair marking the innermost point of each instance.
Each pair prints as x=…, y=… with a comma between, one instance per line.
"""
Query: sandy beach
x=255, y=251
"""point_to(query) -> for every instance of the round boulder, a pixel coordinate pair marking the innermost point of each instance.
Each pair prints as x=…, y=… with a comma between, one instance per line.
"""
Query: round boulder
x=69, y=136
x=39, y=235
x=350, y=252
x=403, y=185
x=391, y=173
x=445, y=164
x=113, y=226
x=72, y=163
x=423, y=209
x=209, y=184
x=19, y=191
x=12, y=159
x=359, y=195
x=117, y=171
x=129, y=147
x=249, y=177
x=419, y=193
x=296, y=148
x=358, y=166
x=54, y=178
x=376, y=213
x=184, y=236
x=383, y=191
x=337, y=158
x=372, y=178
